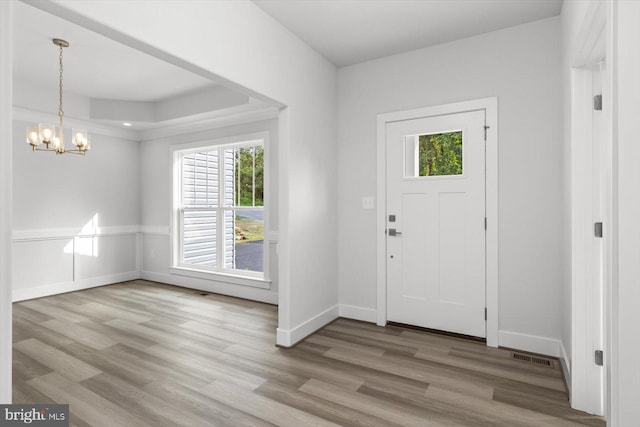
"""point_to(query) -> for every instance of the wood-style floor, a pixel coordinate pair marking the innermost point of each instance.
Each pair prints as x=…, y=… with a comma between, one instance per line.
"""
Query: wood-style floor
x=145, y=354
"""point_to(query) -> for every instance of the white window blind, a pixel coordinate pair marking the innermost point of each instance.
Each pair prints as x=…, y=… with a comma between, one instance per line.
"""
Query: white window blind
x=200, y=193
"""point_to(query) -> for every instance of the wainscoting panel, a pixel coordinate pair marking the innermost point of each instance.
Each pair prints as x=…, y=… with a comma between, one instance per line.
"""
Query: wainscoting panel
x=42, y=262
x=48, y=262
x=105, y=255
x=53, y=261
x=155, y=252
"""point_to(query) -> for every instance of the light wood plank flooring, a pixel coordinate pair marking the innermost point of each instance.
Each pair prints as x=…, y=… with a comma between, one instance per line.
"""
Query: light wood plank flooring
x=145, y=354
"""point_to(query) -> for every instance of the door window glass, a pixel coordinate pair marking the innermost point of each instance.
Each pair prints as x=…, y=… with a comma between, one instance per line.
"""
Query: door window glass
x=436, y=154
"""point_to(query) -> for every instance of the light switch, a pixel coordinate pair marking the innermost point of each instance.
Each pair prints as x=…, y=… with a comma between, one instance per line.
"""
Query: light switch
x=367, y=203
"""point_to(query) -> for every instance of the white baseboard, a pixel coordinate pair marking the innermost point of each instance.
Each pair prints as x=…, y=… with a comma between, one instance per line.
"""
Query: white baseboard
x=287, y=338
x=357, y=313
x=531, y=343
x=78, y=285
x=245, y=292
x=565, y=362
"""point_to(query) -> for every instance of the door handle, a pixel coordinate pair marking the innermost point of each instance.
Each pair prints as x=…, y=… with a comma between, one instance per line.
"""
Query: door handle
x=393, y=232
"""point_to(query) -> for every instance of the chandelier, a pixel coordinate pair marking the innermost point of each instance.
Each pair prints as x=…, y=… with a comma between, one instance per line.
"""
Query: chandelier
x=45, y=133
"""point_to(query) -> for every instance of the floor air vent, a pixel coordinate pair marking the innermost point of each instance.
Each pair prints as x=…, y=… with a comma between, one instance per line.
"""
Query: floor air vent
x=539, y=361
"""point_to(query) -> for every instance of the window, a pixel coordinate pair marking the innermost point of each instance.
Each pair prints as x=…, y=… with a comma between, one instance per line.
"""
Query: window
x=433, y=154
x=219, y=194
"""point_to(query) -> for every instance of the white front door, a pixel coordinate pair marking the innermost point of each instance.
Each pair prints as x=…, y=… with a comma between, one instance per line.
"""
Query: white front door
x=436, y=222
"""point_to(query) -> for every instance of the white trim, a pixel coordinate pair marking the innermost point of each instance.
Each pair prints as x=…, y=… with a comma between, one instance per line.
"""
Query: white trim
x=381, y=221
x=565, y=363
x=232, y=118
x=139, y=254
x=69, y=233
x=231, y=141
x=253, y=289
x=531, y=343
x=93, y=127
x=177, y=151
x=490, y=105
x=78, y=285
x=357, y=313
x=244, y=292
x=23, y=236
x=283, y=248
x=492, y=212
x=236, y=279
x=6, y=204
x=623, y=352
x=272, y=236
x=288, y=338
x=590, y=34
x=162, y=230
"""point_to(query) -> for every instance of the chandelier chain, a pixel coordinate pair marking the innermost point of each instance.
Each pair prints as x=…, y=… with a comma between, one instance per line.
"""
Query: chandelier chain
x=60, y=110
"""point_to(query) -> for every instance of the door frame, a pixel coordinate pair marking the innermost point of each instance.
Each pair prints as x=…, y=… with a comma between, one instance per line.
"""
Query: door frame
x=595, y=48
x=490, y=105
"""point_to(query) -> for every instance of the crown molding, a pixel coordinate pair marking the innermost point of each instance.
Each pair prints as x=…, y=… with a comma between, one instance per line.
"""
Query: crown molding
x=232, y=118
x=237, y=117
x=28, y=114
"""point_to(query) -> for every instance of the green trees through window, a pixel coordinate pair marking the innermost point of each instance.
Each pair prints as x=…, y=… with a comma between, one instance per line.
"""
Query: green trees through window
x=440, y=154
x=249, y=176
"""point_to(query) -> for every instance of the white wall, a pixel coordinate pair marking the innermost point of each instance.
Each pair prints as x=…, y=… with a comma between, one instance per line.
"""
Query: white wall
x=519, y=65
x=242, y=44
x=155, y=178
x=76, y=218
x=6, y=147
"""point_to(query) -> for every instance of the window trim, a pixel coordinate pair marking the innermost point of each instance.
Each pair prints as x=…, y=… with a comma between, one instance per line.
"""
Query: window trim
x=240, y=277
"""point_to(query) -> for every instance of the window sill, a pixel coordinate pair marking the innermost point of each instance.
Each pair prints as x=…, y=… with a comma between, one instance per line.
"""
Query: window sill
x=235, y=279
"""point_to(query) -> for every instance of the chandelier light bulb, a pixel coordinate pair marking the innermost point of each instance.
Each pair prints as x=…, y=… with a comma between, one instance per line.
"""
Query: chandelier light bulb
x=33, y=137
x=47, y=131
x=79, y=138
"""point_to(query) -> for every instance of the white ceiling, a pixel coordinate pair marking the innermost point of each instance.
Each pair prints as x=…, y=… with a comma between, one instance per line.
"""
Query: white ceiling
x=115, y=83
x=344, y=31
x=348, y=32
x=94, y=66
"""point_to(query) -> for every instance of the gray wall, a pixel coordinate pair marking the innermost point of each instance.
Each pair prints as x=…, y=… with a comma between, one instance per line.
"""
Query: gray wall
x=75, y=218
x=519, y=65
